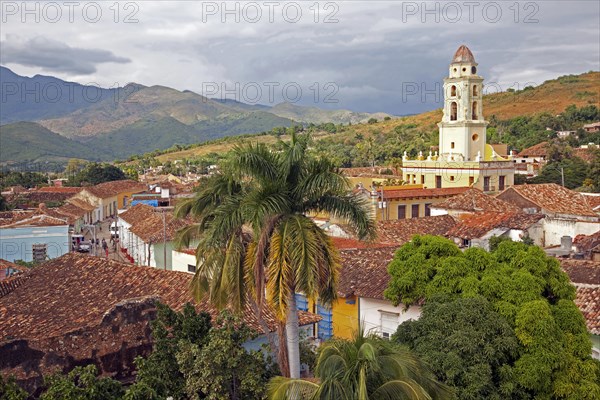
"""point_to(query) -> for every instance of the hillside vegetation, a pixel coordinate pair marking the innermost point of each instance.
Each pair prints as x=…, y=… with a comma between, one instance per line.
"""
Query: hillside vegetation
x=419, y=131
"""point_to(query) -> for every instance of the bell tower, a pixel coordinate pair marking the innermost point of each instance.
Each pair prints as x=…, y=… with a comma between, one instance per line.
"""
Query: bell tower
x=463, y=128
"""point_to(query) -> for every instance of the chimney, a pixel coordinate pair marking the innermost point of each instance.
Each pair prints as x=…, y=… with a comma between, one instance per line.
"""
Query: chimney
x=566, y=243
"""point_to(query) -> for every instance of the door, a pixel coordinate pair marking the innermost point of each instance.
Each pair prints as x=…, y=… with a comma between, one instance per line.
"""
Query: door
x=326, y=322
x=438, y=181
x=501, y=182
x=486, y=184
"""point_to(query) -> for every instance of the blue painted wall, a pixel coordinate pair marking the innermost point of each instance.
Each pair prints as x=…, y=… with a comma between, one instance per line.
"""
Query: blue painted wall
x=16, y=243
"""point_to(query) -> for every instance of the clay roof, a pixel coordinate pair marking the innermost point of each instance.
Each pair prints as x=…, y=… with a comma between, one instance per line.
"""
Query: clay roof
x=350, y=243
x=364, y=272
x=75, y=291
x=587, y=243
x=13, y=219
x=587, y=155
x=137, y=213
x=474, y=200
x=423, y=193
x=585, y=272
x=588, y=301
x=555, y=198
x=151, y=228
x=60, y=189
x=593, y=201
x=82, y=204
x=538, y=150
x=8, y=269
x=472, y=226
x=113, y=188
x=463, y=55
x=401, y=231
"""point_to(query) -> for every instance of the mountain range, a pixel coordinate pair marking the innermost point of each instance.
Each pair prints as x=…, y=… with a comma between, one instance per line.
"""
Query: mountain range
x=44, y=118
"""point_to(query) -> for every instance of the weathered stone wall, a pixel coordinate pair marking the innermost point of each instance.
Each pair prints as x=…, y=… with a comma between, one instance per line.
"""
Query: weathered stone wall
x=123, y=334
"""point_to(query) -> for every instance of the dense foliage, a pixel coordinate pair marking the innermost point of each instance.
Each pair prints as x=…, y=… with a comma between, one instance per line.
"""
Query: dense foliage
x=25, y=179
x=82, y=383
x=159, y=373
x=367, y=367
x=222, y=369
x=469, y=346
x=527, y=289
x=94, y=173
x=9, y=390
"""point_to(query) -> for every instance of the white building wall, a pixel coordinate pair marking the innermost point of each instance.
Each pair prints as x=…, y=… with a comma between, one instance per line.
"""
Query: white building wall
x=371, y=311
x=555, y=228
x=181, y=261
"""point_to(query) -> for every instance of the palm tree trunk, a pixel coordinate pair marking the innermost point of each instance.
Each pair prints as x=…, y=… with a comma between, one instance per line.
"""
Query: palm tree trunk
x=293, y=337
x=282, y=350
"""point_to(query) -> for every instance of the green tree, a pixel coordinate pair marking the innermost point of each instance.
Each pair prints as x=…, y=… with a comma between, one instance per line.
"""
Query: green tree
x=9, y=390
x=469, y=346
x=524, y=286
x=159, y=375
x=222, y=369
x=574, y=170
x=272, y=193
x=82, y=383
x=366, y=367
x=94, y=173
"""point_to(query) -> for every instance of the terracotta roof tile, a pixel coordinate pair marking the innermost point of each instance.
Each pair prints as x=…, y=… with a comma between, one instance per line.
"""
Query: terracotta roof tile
x=30, y=218
x=8, y=269
x=593, y=201
x=113, y=188
x=587, y=243
x=554, y=198
x=423, y=193
x=401, y=231
x=152, y=229
x=476, y=225
x=74, y=291
x=375, y=172
x=137, y=213
x=588, y=301
x=60, y=189
x=364, y=272
x=349, y=243
x=582, y=271
x=474, y=200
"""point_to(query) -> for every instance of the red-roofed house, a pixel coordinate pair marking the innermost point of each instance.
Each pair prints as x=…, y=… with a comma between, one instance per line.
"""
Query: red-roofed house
x=109, y=197
x=566, y=213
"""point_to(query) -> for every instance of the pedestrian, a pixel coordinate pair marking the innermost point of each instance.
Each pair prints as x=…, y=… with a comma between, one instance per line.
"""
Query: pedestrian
x=105, y=247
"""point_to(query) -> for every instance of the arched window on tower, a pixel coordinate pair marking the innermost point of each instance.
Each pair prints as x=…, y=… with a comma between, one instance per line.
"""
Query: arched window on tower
x=475, y=91
x=453, y=111
x=453, y=91
x=474, y=113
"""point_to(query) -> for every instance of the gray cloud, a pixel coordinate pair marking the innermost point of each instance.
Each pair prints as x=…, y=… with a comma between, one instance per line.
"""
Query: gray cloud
x=54, y=56
x=371, y=53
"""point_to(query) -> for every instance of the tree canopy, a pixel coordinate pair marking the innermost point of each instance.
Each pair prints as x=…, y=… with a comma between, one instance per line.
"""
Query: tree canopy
x=95, y=173
x=524, y=287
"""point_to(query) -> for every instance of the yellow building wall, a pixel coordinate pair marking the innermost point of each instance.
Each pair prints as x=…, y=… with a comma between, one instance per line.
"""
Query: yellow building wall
x=391, y=211
x=344, y=312
x=121, y=197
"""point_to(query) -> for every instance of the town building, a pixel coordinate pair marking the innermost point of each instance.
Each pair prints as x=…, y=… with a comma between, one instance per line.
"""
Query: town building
x=591, y=128
x=109, y=197
x=32, y=236
x=566, y=213
x=464, y=159
x=472, y=201
x=94, y=311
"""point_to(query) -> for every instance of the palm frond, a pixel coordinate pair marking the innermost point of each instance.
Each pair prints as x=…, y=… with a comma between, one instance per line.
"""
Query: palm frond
x=280, y=388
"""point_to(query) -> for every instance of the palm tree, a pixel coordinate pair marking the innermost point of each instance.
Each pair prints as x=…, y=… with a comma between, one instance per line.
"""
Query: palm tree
x=366, y=367
x=256, y=239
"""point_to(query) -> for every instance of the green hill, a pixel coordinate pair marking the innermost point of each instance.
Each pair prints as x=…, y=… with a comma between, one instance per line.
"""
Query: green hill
x=28, y=141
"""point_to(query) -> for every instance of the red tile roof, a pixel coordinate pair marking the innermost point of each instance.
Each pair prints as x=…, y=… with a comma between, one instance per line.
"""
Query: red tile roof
x=582, y=271
x=587, y=243
x=422, y=193
x=30, y=218
x=364, y=272
x=152, y=229
x=60, y=189
x=472, y=226
x=137, y=213
x=349, y=243
x=401, y=231
x=474, y=200
x=588, y=301
x=553, y=198
x=8, y=269
x=113, y=188
x=593, y=201
x=75, y=291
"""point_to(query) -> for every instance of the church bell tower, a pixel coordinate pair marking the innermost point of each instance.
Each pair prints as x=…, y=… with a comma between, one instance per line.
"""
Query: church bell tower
x=463, y=129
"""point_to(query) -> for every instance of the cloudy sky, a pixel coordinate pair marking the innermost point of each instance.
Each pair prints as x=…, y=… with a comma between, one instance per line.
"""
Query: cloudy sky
x=359, y=55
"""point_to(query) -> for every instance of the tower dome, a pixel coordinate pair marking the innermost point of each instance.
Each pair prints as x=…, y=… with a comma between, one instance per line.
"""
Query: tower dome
x=463, y=55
